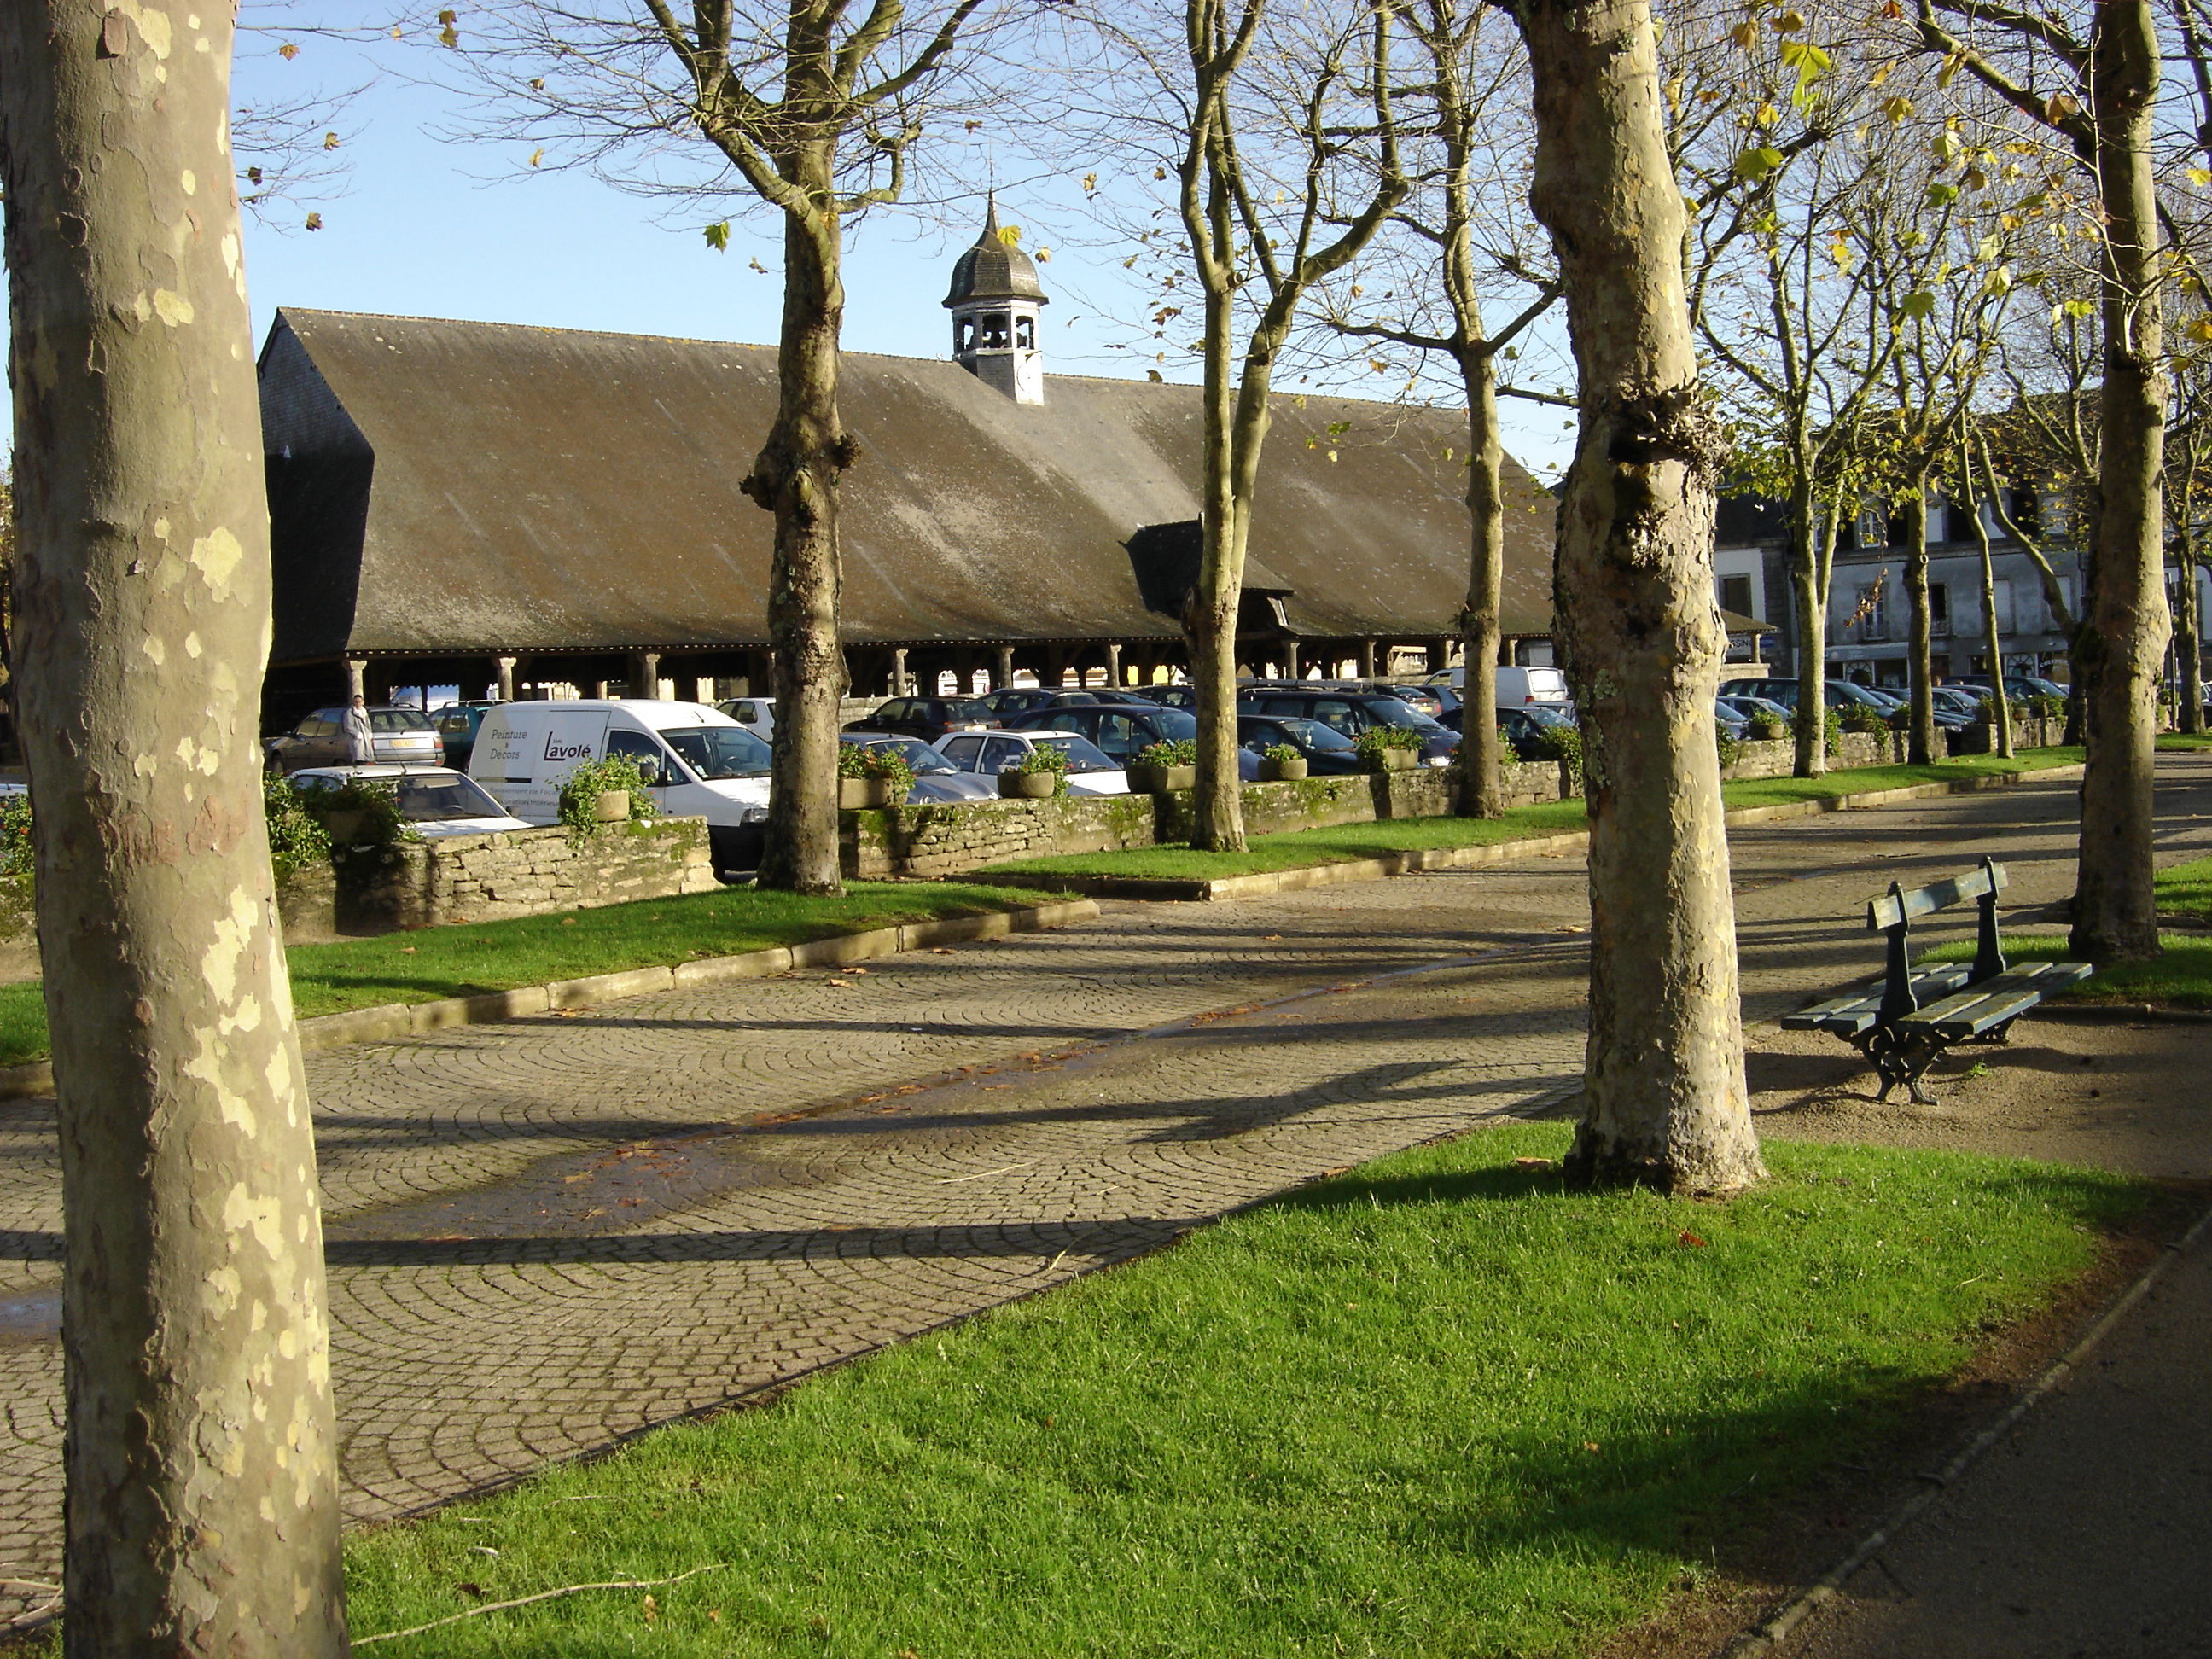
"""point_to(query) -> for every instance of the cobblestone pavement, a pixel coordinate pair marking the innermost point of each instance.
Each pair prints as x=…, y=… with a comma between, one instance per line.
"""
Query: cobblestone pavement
x=550, y=1234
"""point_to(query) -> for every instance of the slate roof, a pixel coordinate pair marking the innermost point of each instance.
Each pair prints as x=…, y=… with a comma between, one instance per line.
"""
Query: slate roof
x=461, y=488
x=991, y=270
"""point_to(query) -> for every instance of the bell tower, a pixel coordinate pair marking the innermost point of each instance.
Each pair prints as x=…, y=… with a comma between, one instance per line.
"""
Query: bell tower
x=994, y=299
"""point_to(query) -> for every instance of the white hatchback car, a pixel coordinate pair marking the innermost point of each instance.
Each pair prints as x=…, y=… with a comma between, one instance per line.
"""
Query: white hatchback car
x=436, y=800
x=1090, y=771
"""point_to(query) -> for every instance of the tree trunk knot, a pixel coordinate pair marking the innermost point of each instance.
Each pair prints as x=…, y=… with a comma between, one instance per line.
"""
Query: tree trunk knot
x=1676, y=424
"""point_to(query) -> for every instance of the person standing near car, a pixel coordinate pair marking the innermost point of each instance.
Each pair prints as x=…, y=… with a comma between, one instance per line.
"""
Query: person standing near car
x=359, y=735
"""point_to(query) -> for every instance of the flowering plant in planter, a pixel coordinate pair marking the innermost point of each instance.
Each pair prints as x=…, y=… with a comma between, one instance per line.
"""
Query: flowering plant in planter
x=582, y=789
x=1168, y=751
x=1041, y=774
x=1388, y=748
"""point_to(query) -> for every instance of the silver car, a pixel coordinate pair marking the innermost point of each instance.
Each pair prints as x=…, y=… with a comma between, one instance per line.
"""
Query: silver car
x=935, y=778
x=401, y=737
x=437, y=801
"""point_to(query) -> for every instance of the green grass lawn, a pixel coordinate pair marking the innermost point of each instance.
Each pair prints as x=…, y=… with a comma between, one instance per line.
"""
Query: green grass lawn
x=422, y=965
x=1438, y=1406
x=2179, y=977
x=1292, y=849
x=1343, y=843
x=2178, y=742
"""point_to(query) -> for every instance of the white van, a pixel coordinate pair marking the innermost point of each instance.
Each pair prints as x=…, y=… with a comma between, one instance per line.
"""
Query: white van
x=1523, y=688
x=707, y=765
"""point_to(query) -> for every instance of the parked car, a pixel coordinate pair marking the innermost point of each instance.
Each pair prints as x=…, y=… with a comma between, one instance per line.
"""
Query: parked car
x=1525, y=729
x=1961, y=700
x=2018, y=687
x=401, y=737
x=1184, y=698
x=697, y=763
x=755, y=715
x=1121, y=729
x=928, y=717
x=1750, y=707
x=1350, y=713
x=1326, y=751
x=457, y=724
x=436, y=800
x=1028, y=699
x=1837, y=694
x=935, y=778
x=1517, y=686
x=984, y=755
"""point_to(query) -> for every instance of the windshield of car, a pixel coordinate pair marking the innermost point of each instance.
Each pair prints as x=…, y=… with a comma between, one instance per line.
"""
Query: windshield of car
x=1546, y=716
x=719, y=752
x=1390, y=711
x=398, y=719
x=1308, y=734
x=968, y=709
x=438, y=799
x=913, y=751
x=1174, y=724
x=1083, y=756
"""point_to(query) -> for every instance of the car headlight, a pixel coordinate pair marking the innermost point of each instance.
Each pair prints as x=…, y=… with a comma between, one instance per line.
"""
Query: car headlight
x=753, y=814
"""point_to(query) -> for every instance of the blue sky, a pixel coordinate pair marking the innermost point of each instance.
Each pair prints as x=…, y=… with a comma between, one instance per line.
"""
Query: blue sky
x=422, y=225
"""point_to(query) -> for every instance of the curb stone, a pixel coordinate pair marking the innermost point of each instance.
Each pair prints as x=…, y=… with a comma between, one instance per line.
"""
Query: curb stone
x=1170, y=890
x=390, y=1021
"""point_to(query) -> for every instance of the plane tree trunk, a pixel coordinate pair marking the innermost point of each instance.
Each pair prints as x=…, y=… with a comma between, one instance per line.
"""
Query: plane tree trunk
x=1920, y=742
x=1479, y=751
x=2122, y=648
x=796, y=476
x=1665, y=1097
x=199, y=1456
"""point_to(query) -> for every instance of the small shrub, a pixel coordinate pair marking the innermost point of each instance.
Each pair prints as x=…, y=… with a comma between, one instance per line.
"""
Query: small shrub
x=16, y=838
x=1862, y=717
x=581, y=789
x=1832, y=730
x=854, y=761
x=1168, y=751
x=1043, y=759
x=297, y=839
x=1281, y=753
x=1764, y=727
x=1372, y=745
x=1727, y=746
x=376, y=800
x=1564, y=744
x=2050, y=708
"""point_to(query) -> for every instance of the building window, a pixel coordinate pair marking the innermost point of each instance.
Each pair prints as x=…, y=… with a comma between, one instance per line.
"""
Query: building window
x=1025, y=333
x=1735, y=595
x=1872, y=613
x=997, y=331
x=1939, y=608
x=1872, y=529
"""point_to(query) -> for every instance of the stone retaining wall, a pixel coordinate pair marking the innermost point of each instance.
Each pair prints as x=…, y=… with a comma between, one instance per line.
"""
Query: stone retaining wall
x=522, y=872
x=1777, y=758
x=951, y=838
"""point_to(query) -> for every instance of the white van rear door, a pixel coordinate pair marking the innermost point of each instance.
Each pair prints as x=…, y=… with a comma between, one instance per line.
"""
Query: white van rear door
x=525, y=750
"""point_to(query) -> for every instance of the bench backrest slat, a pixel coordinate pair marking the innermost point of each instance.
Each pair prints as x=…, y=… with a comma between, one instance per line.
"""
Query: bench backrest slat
x=1894, y=909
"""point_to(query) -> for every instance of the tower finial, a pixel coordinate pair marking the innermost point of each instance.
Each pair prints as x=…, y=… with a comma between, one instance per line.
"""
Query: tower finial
x=991, y=211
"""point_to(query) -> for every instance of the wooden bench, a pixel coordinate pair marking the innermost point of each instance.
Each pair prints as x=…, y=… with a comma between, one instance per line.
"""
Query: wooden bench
x=1904, y=1027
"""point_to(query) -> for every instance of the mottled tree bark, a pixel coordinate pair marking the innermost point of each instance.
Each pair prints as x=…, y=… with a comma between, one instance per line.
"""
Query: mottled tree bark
x=1666, y=1102
x=1920, y=743
x=1809, y=593
x=2122, y=649
x=202, y=1488
x=2188, y=641
x=2001, y=715
x=1478, y=753
x=796, y=477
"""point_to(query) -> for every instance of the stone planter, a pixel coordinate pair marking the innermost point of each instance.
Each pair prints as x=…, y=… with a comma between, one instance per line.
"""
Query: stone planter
x=346, y=826
x=1395, y=760
x=610, y=805
x=1028, y=786
x=1281, y=771
x=857, y=793
x=1161, y=780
